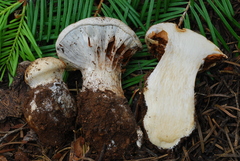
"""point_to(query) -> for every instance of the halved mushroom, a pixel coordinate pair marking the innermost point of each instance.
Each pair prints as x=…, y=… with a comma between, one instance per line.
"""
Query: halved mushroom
x=49, y=108
x=169, y=91
x=99, y=47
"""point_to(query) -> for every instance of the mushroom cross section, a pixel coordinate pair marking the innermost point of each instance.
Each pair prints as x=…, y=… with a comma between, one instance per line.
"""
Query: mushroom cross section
x=169, y=90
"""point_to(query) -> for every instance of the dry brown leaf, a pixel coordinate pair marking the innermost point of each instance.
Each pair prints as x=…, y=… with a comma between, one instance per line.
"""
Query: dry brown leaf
x=2, y=158
x=78, y=149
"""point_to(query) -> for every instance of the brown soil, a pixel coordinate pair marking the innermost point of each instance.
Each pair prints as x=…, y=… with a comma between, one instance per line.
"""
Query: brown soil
x=107, y=123
x=161, y=39
x=10, y=98
x=9, y=105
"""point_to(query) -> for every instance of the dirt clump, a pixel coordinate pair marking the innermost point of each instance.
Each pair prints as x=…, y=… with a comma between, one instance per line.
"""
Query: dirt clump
x=107, y=123
x=48, y=116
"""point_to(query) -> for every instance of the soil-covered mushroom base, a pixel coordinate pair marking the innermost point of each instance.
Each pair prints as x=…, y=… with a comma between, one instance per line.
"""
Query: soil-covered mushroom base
x=48, y=115
x=107, y=123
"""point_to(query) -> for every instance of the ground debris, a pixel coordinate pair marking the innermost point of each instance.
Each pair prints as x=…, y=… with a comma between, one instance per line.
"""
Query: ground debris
x=10, y=98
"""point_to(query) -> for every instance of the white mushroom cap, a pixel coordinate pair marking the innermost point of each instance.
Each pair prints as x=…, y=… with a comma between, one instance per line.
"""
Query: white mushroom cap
x=80, y=43
x=194, y=46
x=169, y=92
x=43, y=71
x=98, y=46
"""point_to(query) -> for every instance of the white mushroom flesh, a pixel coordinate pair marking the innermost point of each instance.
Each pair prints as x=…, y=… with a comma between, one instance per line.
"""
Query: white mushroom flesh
x=169, y=91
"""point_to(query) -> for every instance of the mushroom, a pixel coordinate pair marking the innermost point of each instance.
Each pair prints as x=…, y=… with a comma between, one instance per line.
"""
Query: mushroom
x=169, y=90
x=99, y=47
x=49, y=108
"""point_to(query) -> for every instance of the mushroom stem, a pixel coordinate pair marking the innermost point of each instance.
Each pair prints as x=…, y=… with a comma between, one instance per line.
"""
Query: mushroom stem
x=169, y=91
x=98, y=79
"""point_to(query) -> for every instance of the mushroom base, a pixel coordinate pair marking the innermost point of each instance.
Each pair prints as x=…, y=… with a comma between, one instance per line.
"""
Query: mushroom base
x=45, y=113
x=107, y=123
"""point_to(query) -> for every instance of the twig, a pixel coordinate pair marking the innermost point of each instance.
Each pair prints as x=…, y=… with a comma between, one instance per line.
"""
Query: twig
x=150, y=158
x=67, y=148
x=11, y=132
x=210, y=133
x=200, y=136
x=219, y=147
x=234, y=93
x=6, y=150
x=225, y=111
x=232, y=63
x=150, y=152
x=218, y=95
x=63, y=156
x=11, y=143
x=84, y=158
x=226, y=153
x=238, y=113
x=238, y=119
x=186, y=156
x=183, y=15
x=229, y=141
x=212, y=126
x=102, y=152
x=98, y=8
x=44, y=155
